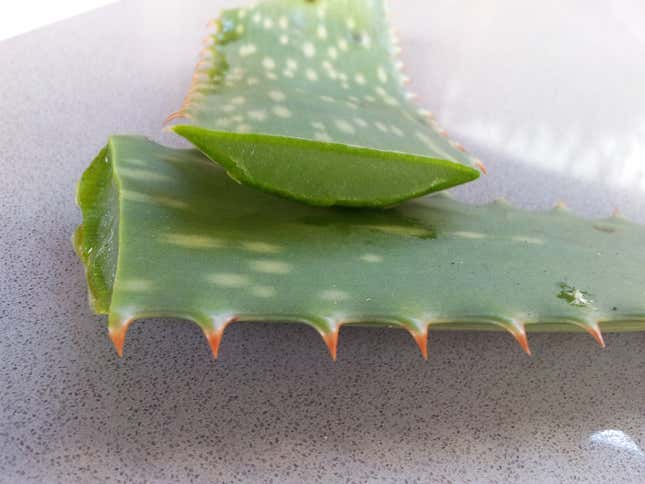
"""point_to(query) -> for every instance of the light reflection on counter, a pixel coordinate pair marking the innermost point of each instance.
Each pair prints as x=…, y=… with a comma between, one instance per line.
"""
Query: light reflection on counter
x=616, y=439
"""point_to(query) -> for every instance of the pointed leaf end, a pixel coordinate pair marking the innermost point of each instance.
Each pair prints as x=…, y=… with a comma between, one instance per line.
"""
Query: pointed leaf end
x=481, y=167
x=518, y=331
x=117, y=335
x=214, y=338
x=176, y=115
x=421, y=339
x=331, y=340
x=594, y=331
x=215, y=333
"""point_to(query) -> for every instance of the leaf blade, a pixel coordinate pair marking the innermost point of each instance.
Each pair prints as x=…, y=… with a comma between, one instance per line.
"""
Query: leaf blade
x=194, y=244
x=252, y=82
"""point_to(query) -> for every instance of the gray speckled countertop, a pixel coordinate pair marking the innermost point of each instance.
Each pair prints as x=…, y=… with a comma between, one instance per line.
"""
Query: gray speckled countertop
x=550, y=96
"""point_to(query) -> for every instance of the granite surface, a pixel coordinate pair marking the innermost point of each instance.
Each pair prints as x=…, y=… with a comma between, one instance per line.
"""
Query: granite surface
x=549, y=96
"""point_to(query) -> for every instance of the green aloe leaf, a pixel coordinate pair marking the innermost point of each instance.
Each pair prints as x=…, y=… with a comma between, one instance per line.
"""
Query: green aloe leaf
x=304, y=99
x=166, y=233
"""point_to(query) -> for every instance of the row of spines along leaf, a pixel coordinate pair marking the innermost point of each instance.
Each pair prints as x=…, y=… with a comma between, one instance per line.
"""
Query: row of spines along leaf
x=329, y=329
x=209, y=71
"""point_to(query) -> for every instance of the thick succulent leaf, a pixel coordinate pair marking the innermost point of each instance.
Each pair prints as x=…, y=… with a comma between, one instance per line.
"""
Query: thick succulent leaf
x=191, y=243
x=304, y=99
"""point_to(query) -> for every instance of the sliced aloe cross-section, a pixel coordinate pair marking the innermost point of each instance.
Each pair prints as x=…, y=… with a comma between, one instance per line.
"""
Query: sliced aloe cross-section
x=305, y=99
x=166, y=233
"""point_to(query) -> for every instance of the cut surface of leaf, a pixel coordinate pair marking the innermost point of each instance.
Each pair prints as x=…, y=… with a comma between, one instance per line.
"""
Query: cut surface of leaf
x=166, y=233
x=304, y=99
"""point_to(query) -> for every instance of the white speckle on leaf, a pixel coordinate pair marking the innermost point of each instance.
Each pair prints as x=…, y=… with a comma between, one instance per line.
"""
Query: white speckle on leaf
x=268, y=63
x=331, y=73
x=380, y=126
x=228, y=279
x=311, y=75
x=153, y=199
x=334, y=295
x=344, y=126
x=322, y=136
x=372, y=258
x=382, y=75
x=469, y=235
x=277, y=96
x=136, y=285
x=281, y=111
x=360, y=122
x=261, y=247
x=322, y=32
x=263, y=291
x=192, y=241
x=248, y=49
x=270, y=266
x=146, y=175
x=309, y=49
x=257, y=115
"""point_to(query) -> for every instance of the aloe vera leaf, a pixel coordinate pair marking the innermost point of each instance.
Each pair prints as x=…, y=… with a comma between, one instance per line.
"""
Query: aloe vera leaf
x=305, y=100
x=166, y=233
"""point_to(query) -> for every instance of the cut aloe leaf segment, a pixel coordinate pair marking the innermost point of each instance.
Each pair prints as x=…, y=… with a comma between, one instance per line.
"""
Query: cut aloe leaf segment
x=305, y=99
x=166, y=233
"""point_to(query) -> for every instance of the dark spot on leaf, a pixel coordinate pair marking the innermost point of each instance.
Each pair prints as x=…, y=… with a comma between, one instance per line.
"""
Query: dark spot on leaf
x=573, y=296
x=604, y=228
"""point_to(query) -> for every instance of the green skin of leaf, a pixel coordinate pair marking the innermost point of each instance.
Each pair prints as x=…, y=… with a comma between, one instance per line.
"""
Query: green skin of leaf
x=166, y=233
x=303, y=99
